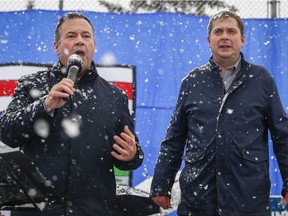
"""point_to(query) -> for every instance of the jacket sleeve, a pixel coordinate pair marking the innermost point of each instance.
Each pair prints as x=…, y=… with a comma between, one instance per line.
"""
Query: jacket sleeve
x=127, y=120
x=17, y=121
x=171, y=149
x=132, y=165
x=278, y=126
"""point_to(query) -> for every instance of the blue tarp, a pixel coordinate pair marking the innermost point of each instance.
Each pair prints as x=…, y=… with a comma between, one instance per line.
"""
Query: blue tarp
x=164, y=47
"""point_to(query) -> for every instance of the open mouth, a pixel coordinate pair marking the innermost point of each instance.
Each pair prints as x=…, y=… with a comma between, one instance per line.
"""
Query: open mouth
x=80, y=53
x=224, y=46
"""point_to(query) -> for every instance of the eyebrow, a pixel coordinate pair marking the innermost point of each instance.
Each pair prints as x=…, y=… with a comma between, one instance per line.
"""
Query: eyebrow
x=74, y=32
x=217, y=28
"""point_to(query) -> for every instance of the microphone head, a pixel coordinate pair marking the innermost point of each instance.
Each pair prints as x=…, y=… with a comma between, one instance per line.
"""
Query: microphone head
x=74, y=60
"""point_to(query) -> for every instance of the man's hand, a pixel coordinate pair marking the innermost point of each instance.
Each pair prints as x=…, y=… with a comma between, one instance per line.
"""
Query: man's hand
x=125, y=146
x=162, y=201
x=285, y=199
x=59, y=94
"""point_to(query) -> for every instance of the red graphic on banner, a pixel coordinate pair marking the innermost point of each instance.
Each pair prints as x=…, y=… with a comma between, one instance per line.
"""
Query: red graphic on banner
x=127, y=87
x=7, y=88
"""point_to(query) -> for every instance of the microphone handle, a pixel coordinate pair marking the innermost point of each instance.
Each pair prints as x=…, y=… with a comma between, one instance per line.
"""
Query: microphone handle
x=72, y=73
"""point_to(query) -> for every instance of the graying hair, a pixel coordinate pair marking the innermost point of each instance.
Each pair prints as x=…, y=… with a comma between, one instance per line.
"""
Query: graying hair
x=69, y=16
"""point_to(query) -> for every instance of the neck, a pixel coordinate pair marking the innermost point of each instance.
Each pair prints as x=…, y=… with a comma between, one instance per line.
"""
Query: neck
x=223, y=64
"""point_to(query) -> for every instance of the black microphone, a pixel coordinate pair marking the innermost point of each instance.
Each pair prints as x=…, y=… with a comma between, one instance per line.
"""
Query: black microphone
x=74, y=65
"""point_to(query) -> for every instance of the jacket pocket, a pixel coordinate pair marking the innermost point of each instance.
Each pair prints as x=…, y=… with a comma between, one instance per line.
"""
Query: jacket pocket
x=256, y=156
x=249, y=178
x=197, y=154
x=252, y=153
x=194, y=156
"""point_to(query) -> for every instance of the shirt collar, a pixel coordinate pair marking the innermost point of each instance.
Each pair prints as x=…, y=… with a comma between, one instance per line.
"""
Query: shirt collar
x=237, y=65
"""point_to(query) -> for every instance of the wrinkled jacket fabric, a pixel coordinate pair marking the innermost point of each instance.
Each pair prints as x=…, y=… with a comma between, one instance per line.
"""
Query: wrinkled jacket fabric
x=73, y=148
x=224, y=139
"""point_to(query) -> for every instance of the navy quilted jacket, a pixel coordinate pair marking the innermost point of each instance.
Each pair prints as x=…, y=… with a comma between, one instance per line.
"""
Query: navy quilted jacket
x=75, y=153
x=224, y=139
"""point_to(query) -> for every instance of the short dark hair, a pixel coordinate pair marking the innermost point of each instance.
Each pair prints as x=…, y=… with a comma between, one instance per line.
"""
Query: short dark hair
x=226, y=14
x=69, y=16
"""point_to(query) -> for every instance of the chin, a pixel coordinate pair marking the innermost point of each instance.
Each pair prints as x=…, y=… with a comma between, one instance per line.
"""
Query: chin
x=227, y=55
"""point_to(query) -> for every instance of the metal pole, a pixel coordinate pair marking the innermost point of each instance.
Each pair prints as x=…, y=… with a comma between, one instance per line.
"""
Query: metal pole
x=61, y=3
x=274, y=8
x=30, y=5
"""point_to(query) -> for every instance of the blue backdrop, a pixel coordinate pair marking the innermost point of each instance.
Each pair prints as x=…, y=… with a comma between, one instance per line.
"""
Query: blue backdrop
x=164, y=47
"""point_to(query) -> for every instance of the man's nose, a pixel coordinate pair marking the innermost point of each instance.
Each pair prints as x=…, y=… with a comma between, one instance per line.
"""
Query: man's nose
x=224, y=35
x=79, y=40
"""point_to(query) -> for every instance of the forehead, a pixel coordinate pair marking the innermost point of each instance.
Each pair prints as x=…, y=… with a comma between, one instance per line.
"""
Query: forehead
x=75, y=25
x=225, y=22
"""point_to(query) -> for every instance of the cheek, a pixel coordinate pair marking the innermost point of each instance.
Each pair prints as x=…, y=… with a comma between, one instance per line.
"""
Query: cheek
x=91, y=51
x=66, y=52
x=93, y=47
x=65, y=48
x=212, y=44
x=213, y=41
x=64, y=55
x=239, y=44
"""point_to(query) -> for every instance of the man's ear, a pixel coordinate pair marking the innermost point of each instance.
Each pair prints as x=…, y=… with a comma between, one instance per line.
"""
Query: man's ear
x=208, y=40
x=56, y=48
x=243, y=40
